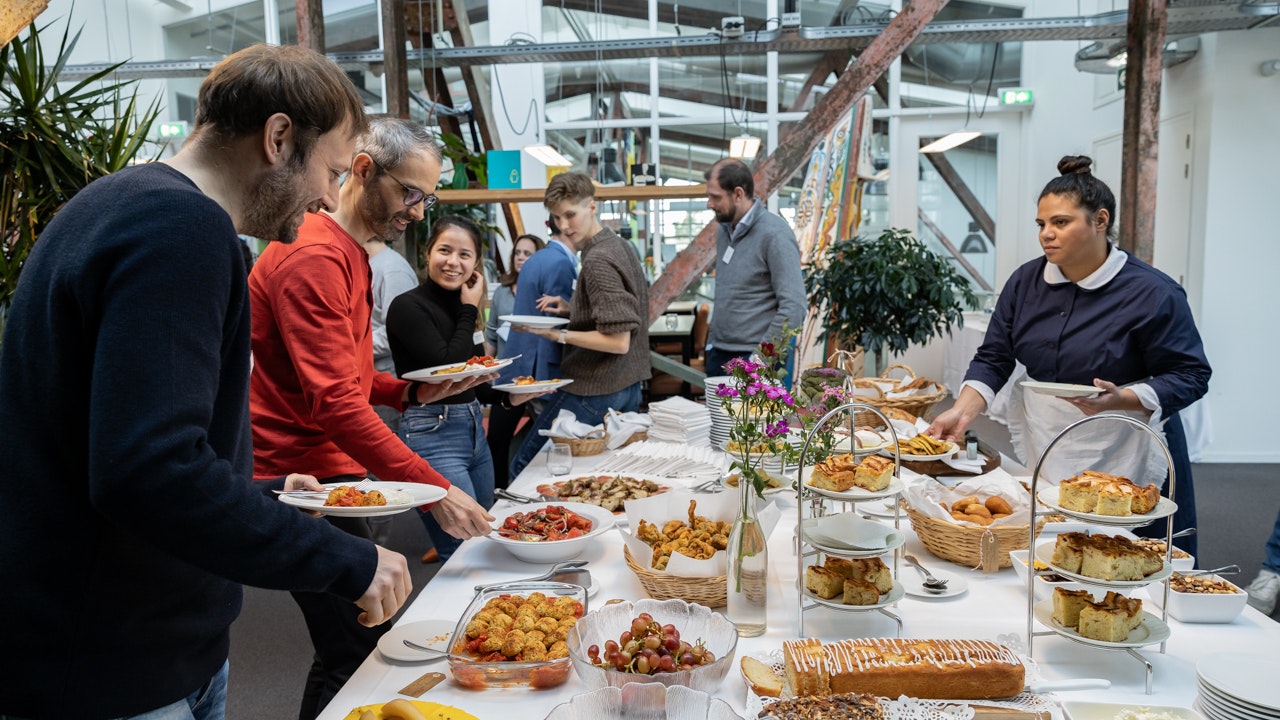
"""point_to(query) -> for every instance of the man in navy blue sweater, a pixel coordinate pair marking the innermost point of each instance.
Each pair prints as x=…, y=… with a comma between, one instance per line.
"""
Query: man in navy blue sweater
x=128, y=518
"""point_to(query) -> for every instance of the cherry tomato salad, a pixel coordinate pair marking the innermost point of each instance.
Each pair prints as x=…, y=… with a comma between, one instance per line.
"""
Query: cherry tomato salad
x=554, y=522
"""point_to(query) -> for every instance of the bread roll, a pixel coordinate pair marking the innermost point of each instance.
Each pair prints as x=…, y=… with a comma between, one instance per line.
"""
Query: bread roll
x=965, y=502
x=399, y=709
x=997, y=504
x=978, y=509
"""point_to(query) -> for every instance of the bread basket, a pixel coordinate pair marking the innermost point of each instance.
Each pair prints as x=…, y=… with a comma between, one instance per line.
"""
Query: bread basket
x=709, y=591
x=917, y=404
x=581, y=447
x=958, y=542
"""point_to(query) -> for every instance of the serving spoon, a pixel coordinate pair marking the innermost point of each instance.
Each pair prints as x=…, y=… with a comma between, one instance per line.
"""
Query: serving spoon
x=931, y=583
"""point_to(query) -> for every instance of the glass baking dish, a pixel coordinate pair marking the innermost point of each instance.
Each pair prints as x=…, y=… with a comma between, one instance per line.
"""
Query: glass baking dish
x=500, y=610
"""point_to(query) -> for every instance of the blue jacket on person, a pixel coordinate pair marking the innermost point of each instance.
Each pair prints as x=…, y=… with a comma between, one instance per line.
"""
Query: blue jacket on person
x=550, y=271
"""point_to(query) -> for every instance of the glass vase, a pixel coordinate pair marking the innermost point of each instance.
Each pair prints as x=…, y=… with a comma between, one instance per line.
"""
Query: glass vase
x=747, y=574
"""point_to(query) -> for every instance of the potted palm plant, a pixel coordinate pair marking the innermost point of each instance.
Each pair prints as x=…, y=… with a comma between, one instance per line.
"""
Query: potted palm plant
x=886, y=293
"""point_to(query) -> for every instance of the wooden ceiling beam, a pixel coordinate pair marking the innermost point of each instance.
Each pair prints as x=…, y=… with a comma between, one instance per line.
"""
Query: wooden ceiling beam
x=1139, y=161
x=971, y=203
x=772, y=171
x=395, y=59
x=16, y=15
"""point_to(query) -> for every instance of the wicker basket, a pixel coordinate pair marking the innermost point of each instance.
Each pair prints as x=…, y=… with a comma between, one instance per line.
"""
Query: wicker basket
x=637, y=437
x=917, y=405
x=709, y=591
x=959, y=543
x=581, y=447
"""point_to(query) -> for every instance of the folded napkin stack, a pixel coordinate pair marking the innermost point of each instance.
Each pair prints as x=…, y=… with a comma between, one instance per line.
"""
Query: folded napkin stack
x=679, y=420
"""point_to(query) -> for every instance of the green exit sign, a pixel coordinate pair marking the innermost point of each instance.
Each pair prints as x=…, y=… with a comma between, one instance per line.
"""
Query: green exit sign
x=172, y=129
x=1017, y=96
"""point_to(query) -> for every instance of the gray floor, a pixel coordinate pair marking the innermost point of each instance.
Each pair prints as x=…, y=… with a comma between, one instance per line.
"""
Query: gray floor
x=270, y=651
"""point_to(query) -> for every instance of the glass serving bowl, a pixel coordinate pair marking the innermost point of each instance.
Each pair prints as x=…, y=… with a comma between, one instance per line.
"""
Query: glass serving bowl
x=644, y=701
x=693, y=621
x=475, y=673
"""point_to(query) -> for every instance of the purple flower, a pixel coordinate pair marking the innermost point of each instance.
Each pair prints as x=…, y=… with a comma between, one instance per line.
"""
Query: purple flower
x=773, y=392
x=777, y=429
x=726, y=391
x=735, y=364
x=833, y=392
x=786, y=398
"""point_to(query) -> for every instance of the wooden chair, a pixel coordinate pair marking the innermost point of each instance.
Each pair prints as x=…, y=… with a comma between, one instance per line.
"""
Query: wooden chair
x=664, y=385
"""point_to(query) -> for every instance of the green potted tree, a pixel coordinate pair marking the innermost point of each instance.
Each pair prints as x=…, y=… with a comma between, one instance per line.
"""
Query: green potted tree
x=55, y=141
x=886, y=293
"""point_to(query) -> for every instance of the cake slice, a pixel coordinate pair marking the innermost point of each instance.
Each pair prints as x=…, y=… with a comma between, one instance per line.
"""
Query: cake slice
x=1110, y=620
x=872, y=570
x=837, y=473
x=805, y=666
x=1067, y=605
x=823, y=582
x=1068, y=551
x=844, y=566
x=1144, y=497
x=1112, y=500
x=873, y=473
x=1109, y=558
x=760, y=677
x=1078, y=493
x=858, y=592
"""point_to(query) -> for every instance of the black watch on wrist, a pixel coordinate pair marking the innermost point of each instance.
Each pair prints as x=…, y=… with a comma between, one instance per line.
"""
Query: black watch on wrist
x=413, y=393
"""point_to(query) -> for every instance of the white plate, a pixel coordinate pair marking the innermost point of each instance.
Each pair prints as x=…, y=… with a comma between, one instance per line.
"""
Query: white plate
x=434, y=634
x=1108, y=711
x=894, y=595
x=848, y=535
x=856, y=494
x=913, y=584
x=534, y=321
x=1062, y=390
x=888, y=452
x=425, y=374
x=1214, y=711
x=1249, y=678
x=538, y=387
x=1048, y=495
x=877, y=509
x=1214, y=702
x=1044, y=551
x=1151, y=632
x=419, y=495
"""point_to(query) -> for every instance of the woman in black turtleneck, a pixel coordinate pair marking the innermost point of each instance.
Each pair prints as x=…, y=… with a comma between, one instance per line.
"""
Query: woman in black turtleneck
x=435, y=324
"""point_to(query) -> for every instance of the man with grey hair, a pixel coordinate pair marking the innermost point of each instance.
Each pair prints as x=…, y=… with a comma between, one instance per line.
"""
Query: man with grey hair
x=313, y=379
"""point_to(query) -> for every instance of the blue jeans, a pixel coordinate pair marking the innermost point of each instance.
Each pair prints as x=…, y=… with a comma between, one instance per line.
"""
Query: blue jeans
x=589, y=409
x=452, y=439
x=207, y=703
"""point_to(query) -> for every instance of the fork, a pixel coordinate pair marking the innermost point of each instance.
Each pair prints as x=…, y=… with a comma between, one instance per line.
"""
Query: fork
x=931, y=583
x=362, y=486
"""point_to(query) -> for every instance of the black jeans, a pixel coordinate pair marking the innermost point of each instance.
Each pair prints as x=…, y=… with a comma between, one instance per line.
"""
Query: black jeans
x=341, y=643
x=502, y=430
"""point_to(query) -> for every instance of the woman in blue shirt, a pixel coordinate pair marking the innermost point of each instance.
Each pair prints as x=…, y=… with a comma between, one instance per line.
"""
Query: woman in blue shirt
x=1088, y=313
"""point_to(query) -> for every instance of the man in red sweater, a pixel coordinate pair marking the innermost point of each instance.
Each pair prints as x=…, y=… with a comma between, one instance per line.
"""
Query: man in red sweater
x=313, y=378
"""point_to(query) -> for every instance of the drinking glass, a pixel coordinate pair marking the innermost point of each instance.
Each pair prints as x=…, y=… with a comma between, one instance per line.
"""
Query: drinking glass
x=672, y=321
x=560, y=459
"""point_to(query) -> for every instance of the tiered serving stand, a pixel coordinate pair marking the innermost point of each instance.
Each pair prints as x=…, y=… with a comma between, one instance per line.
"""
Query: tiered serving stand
x=813, y=504
x=1153, y=631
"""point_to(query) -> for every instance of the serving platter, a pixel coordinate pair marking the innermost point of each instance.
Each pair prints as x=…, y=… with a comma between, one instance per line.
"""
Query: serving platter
x=910, y=457
x=1062, y=390
x=551, y=491
x=1048, y=495
x=1044, y=551
x=848, y=535
x=855, y=494
x=401, y=496
x=1152, y=631
x=534, y=321
x=894, y=595
x=434, y=374
x=530, y=388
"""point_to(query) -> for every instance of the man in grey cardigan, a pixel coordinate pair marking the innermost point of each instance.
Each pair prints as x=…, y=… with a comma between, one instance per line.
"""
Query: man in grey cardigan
x=758, y=284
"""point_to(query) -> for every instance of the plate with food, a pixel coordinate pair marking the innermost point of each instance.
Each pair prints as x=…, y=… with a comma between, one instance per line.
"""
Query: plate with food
x=476, y=365
x=526, y=385
x=402, y=709
x=1112, y=557
x=551, y=532
x=610, y=492
x=1049, y=496
x=432, y=634
x=1148, y=630
x=1062, y=390
x=378, y=498
x=534, y=321
x=852, y=479
x=884, y=600
x=1077, y=710
x=922, y=448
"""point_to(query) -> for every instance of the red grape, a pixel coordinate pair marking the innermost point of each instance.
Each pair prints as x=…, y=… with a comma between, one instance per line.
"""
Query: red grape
x=647, y=647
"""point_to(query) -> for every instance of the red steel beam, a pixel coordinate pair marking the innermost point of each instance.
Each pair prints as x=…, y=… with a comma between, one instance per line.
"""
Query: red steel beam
x=1140, y=154
x=774, y=170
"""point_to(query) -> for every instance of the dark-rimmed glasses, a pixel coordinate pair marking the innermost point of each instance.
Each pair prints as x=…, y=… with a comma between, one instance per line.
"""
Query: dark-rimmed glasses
x=412, y=195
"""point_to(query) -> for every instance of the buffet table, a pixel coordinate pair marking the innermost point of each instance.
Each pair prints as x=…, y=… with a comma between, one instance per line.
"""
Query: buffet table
x=994, y=608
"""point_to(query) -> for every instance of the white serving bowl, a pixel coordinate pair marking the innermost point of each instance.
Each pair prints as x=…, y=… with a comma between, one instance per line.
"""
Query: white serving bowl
x=553, y=551
x=695, y=622
x=1044, y=586
x=644, y=700
x=1202, y=607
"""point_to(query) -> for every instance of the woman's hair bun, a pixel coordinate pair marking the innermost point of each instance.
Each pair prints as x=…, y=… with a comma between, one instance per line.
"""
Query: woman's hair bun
x=1070, y=164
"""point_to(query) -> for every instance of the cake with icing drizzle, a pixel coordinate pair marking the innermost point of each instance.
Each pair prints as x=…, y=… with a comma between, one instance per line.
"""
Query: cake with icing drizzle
x=889, y=667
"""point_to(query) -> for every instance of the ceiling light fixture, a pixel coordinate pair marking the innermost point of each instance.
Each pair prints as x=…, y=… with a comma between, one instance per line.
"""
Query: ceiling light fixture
x=548, y=156
x=950, y=140
x=744, y=146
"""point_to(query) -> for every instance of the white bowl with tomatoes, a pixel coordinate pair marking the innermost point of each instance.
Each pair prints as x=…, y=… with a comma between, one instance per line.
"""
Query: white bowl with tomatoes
x=550, y=532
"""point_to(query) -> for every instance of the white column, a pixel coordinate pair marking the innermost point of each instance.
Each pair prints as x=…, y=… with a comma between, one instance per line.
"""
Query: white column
x=771, y=99
x=271, y=21
x=517, y=93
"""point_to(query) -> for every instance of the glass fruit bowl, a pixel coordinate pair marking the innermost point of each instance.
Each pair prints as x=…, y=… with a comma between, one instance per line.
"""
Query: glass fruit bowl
x=483, y=652
x=694, y=623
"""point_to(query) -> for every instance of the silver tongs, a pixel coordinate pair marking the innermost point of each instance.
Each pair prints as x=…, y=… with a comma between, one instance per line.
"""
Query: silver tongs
x=573, y=572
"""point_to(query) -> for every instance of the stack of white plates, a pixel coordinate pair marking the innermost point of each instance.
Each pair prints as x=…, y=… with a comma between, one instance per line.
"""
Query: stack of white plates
x=720, y=420
x=1238, y=685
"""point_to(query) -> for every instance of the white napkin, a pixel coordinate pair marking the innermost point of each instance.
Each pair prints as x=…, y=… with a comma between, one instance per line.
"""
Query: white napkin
x=566, y=425
x=964, y=464
x=621, y=426
x=847, y=530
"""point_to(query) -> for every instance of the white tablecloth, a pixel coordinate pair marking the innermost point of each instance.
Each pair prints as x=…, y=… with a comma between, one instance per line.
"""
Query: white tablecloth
x=994, y=605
